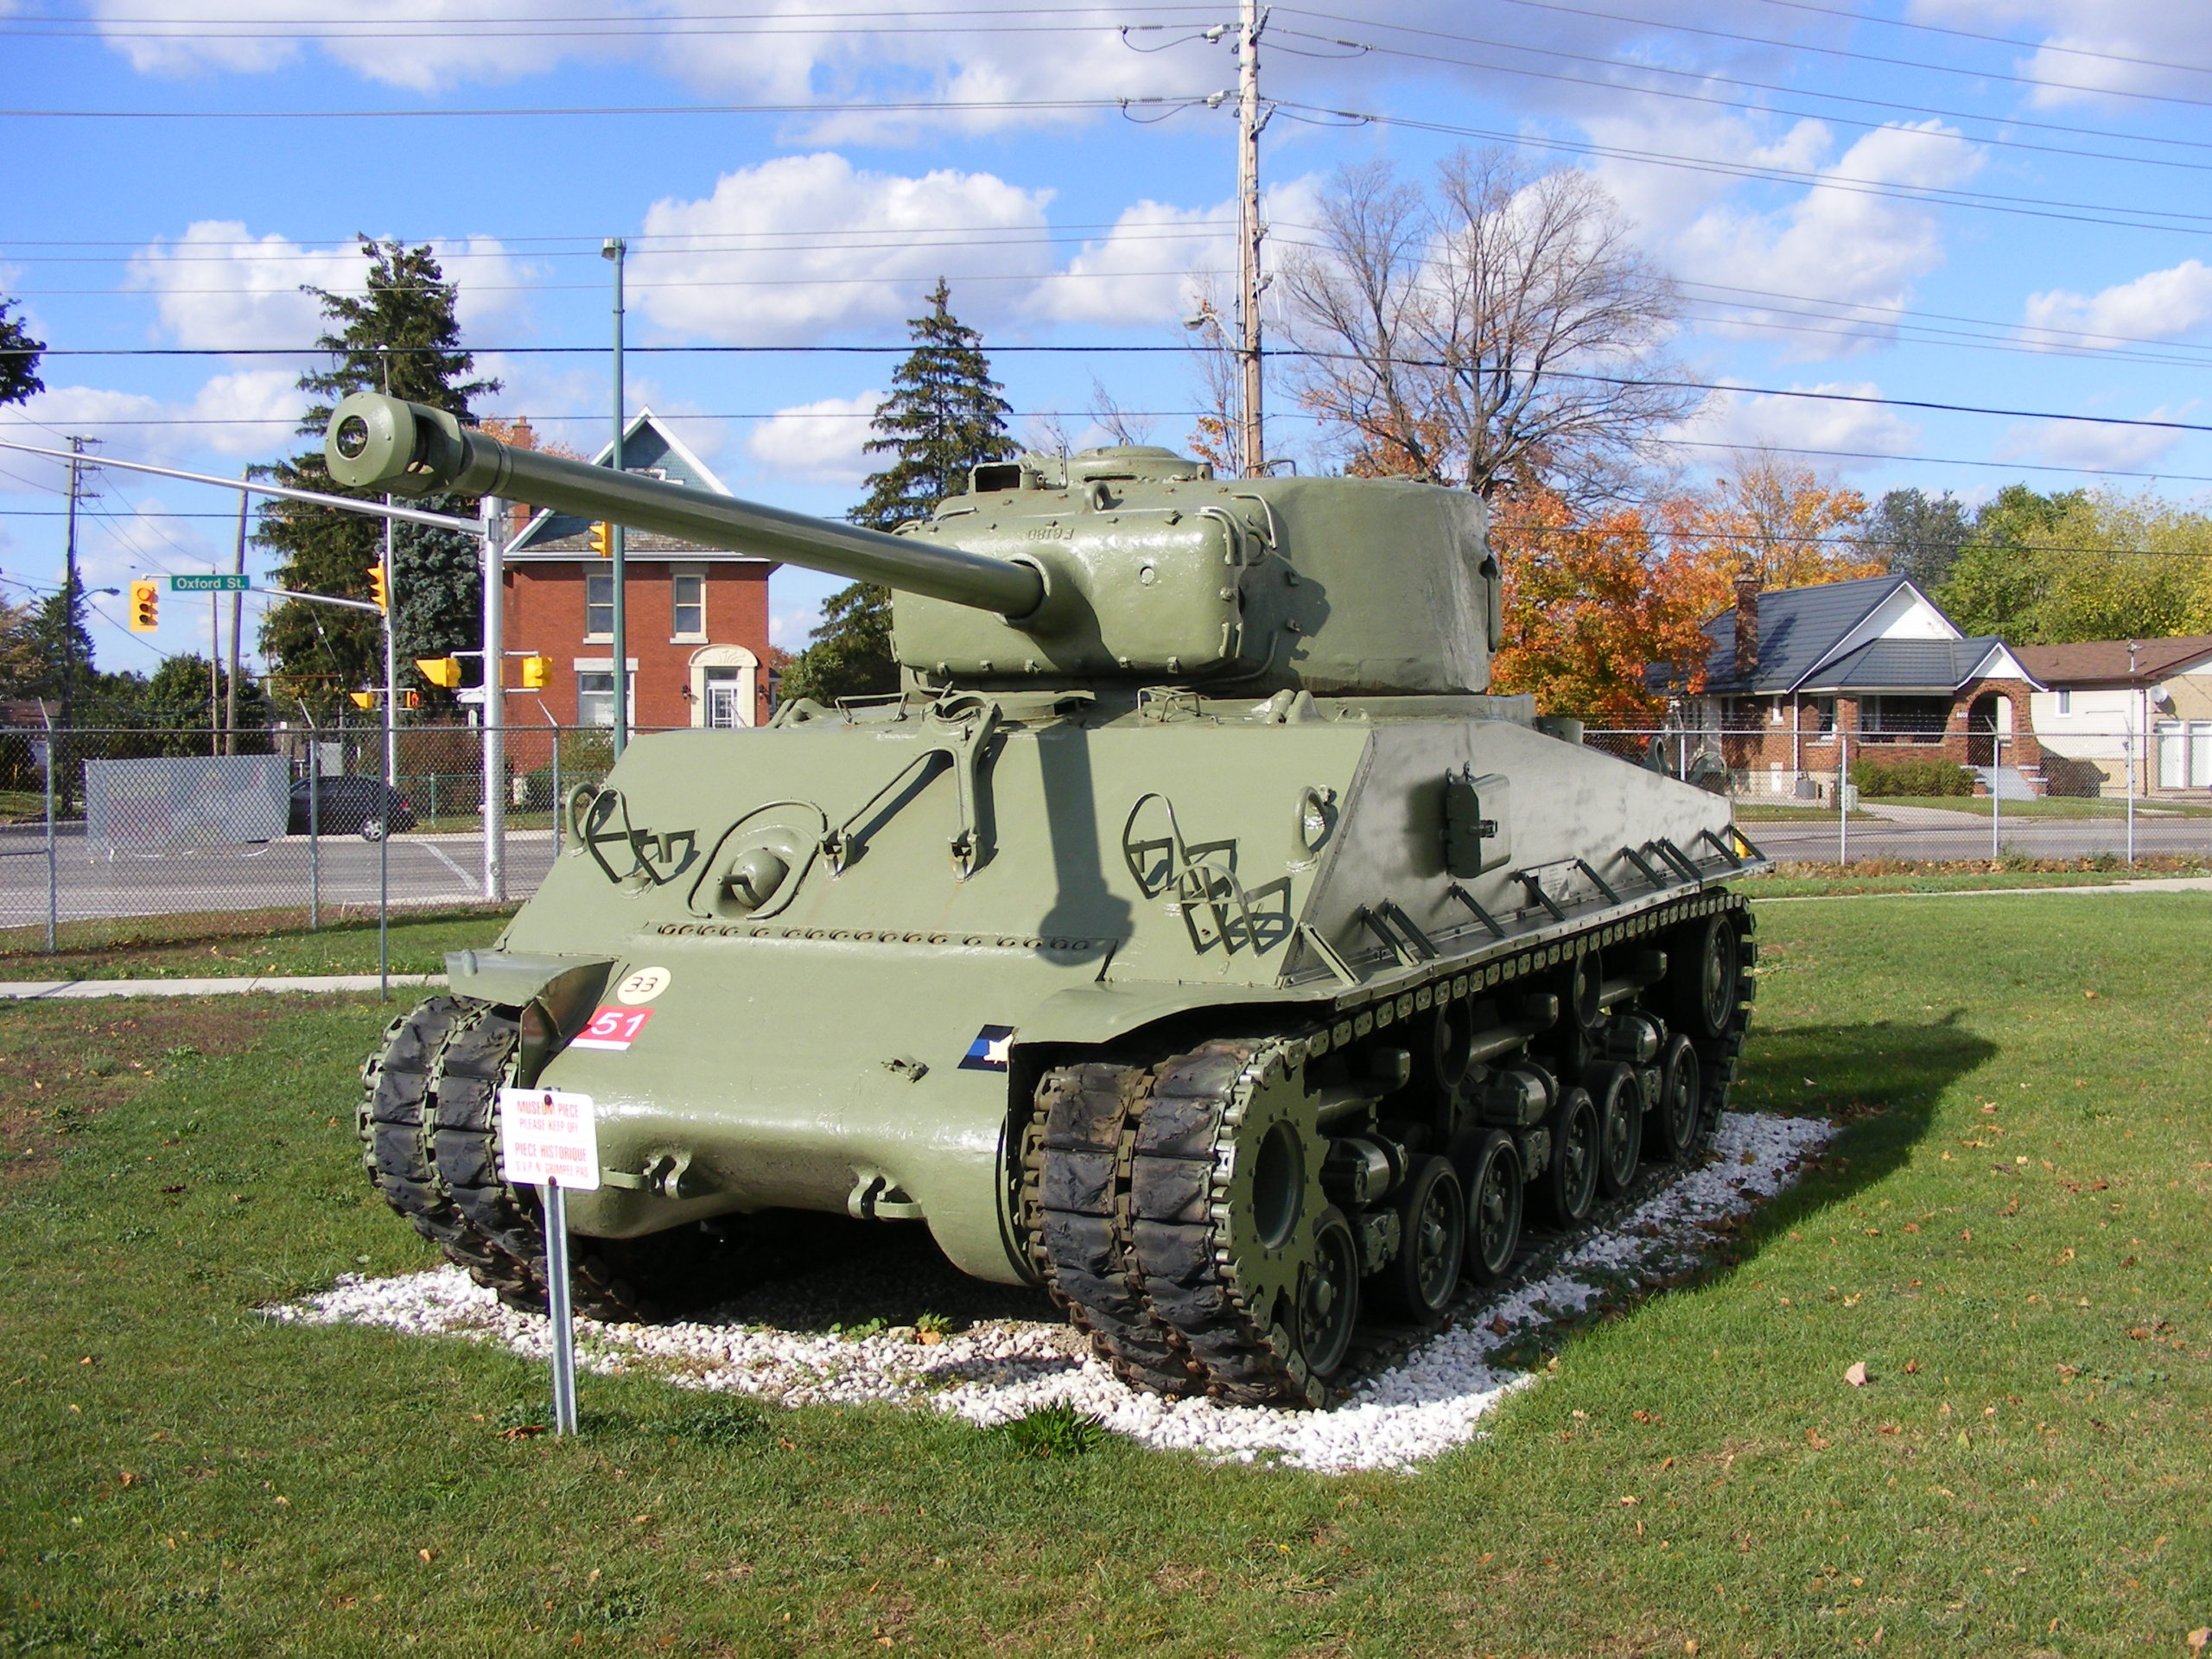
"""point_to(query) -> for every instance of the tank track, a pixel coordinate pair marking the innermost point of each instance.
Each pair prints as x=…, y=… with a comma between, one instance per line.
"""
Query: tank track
x=1124, y=1194
x=428, y=1123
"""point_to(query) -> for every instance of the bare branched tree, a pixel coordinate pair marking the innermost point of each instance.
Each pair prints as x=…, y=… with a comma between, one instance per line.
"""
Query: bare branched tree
x=1499, y=330
x=1119, y=424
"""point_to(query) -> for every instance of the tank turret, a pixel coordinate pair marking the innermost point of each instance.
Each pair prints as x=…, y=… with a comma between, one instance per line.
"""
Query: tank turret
x=1123, y=564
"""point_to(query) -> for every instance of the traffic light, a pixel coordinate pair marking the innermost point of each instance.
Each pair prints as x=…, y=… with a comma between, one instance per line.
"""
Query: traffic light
x=380, y=587
x=536, y=671
x=440, y=671
x=145, y=605
x=363, y=699
x=602, y=540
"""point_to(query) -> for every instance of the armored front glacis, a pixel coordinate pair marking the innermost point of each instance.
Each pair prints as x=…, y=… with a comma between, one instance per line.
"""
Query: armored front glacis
x=1192, y=934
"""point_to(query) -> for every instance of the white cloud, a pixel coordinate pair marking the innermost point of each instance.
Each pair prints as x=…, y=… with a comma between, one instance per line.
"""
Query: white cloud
x=2158, y=305
x=218, y=286
x=2118, y=46
x=2093, y=449
x=817, y=442
x=1744, y=419
x=242, y=413
x=1852, y=245
x=1146, y=268
x=761, y=259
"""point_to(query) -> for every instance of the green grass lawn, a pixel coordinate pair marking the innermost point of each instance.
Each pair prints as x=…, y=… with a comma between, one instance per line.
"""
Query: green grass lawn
x=2012, y=1235
x=1804, y=881
x=1757, y=812
x=232, y=944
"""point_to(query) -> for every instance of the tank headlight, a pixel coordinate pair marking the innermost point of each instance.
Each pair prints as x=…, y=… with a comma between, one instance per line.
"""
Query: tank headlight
x=754, y=877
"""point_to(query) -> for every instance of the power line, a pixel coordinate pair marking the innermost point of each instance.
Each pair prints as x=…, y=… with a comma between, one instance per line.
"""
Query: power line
x=1935, y=195
x=1561, y=7
x=1995, y=40
x=1703, y=78
x=908, y=106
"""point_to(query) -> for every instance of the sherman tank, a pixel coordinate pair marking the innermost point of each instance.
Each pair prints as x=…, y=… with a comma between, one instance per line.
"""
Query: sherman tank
x=1193, y=934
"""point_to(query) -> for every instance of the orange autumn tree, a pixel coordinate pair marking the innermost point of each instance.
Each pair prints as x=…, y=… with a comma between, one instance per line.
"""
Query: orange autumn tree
x=1590, y=602
x=1781, y=523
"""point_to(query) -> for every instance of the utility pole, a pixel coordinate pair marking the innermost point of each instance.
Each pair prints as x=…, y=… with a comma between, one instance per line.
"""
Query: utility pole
x=69, y=601
x=237, y=604
x=1250, y=119
x=391, y=626
x=615, y=248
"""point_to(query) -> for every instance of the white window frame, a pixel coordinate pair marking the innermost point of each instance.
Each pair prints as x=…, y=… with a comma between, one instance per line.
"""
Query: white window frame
x=605, y=666
x=607, y=632
x=677, y=575
x=2065, y=702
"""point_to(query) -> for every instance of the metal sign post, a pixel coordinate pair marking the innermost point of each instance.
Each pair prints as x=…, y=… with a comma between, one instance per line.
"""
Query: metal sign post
x=549, y=1139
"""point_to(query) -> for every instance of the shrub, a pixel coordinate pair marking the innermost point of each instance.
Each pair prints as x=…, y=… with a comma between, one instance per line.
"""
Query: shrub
x=1882, y=779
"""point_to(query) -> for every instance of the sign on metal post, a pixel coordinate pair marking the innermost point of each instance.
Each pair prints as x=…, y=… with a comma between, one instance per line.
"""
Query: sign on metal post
x=215, y=583
x=550, y=1140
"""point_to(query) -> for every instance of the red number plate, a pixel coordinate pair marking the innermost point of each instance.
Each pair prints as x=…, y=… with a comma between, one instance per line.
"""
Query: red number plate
x=615, y=1028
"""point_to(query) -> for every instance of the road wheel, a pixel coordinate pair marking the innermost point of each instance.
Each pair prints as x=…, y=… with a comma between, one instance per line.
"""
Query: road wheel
x=1703, y=975
x=1432, y=1209
x=1620, y=1119
x=1495, y=1195
x=1328, y=1296
x=1569, y=1186
x=1674, y=1123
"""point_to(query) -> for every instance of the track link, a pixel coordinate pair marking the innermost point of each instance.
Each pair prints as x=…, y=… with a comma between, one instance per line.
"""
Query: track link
x=1131, y=1213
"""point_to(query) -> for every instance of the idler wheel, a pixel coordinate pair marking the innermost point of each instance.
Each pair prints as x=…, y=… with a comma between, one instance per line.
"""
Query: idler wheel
x=1495, y=1195
x=1620, y=1118
x=1432, y=1207
x=1674, y=1123
x=1569, y=1185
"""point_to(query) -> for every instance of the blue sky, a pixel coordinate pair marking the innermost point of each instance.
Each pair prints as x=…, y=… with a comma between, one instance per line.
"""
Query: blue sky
x=1967, y=201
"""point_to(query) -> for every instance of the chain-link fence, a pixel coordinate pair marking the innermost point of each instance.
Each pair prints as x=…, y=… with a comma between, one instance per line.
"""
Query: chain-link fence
x=104, y=824
x=348, y=819
x=1950, y=794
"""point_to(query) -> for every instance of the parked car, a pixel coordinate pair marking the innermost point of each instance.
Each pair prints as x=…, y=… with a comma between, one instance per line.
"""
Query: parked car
x=344, y=806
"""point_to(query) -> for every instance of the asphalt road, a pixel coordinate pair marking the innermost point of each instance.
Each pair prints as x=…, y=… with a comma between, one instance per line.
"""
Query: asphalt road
x=424, y=870
x=428, y=869
x=1935, y=834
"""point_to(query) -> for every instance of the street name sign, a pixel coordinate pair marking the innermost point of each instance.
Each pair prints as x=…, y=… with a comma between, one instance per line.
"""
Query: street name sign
x=211, y=584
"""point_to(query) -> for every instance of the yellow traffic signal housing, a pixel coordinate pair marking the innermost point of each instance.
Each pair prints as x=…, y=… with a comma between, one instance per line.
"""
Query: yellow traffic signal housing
x=414, y=700
x=380, y=587
x=535, y=672
x=602, y=540
x=145, y=605
x=440, y=671
x=363, y=699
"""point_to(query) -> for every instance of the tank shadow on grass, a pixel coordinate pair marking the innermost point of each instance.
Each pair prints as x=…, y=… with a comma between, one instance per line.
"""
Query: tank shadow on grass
x=1882, y=1081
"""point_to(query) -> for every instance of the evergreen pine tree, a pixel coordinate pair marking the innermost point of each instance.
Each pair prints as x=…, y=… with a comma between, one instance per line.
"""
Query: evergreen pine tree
x=19, y=355
x=945, y=414
x=399, y=335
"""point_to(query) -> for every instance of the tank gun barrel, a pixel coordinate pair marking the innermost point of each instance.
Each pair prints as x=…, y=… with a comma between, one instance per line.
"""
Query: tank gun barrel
x=377, y=442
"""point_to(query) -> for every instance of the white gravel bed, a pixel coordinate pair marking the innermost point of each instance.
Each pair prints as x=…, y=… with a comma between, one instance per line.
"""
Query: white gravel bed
x=1432, y=1400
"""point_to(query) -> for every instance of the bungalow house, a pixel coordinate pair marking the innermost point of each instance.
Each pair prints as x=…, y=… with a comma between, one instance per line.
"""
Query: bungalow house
x=1800, y=678
x=2101, y=701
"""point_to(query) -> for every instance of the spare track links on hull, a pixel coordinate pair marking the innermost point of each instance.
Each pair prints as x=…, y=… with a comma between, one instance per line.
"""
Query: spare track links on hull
x=1177, y=1212
x=429, y=1123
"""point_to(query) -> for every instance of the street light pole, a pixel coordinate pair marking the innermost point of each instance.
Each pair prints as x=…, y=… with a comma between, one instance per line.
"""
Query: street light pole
x=615, y=249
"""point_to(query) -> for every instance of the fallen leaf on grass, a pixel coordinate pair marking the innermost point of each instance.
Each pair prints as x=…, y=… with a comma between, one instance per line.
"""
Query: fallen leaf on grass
x=424, y=1553
x=2198, y=1638
x=1856, y=1376
x=1813, y=1439
x=1911, y=1367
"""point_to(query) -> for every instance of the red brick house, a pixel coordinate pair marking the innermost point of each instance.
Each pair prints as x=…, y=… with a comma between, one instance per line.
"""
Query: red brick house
x=696, y=617
x=1870, y=666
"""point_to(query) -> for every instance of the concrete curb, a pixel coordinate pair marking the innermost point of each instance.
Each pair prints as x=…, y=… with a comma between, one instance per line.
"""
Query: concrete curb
x=52, y=990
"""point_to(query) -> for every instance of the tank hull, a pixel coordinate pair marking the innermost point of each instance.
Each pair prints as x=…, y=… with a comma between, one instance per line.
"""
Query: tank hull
x=868, y=1042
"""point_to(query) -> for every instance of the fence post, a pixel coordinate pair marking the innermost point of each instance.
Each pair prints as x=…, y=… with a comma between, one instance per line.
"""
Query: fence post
x=2128, y=741
x=1842, y=796
x=1996, y=801
x=52, y=872
x=314, y=827
x=557, y=814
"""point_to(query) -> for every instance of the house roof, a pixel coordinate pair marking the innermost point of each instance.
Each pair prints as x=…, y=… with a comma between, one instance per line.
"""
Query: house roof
x=648, y=446
x=1914, y=665
x=2105, y=662
x=1799, y=629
